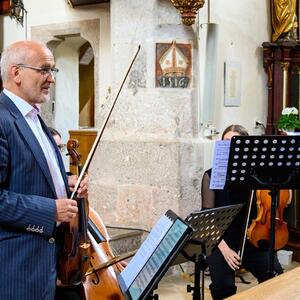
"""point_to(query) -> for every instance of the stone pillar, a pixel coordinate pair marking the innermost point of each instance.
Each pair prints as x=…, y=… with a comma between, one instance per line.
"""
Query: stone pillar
x=150, y=158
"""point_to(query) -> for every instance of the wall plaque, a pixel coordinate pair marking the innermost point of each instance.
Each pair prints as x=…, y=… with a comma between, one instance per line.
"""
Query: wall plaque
x=173, y=65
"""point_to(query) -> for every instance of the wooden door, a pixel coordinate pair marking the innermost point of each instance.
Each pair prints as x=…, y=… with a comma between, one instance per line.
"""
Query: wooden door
x=86, y=140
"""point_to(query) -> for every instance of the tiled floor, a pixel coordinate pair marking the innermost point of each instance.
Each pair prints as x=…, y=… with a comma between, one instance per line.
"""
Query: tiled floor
x=174, y=287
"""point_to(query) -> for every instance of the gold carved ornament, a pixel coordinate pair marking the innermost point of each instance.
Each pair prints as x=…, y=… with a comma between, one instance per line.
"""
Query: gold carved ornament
x=188, y=9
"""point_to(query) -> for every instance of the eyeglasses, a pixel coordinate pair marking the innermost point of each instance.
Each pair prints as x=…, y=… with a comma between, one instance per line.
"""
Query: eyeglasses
x=62, y=147
x=43, y=71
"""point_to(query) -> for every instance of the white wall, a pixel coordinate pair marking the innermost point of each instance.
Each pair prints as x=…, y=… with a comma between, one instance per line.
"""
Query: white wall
x=240, y=29
x=42, y=13
x=49, y=12
x=243, y=27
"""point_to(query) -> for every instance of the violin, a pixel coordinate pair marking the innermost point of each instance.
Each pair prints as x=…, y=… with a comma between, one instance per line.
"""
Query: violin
x=74, y=258
x=259, y=231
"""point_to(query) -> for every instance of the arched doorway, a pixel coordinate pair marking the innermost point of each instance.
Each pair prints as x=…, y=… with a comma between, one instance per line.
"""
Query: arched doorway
x=76, y=94
x=86, y=86
x=73, y=107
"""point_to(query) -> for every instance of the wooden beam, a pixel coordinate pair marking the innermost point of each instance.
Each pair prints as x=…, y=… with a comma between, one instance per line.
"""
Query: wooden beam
x=284, y=287
x=74, y=3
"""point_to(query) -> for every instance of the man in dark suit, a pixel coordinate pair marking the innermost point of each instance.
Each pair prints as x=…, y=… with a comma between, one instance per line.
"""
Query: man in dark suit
x=34, y=189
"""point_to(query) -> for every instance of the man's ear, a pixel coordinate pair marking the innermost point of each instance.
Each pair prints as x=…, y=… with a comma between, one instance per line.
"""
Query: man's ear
x=14, y=72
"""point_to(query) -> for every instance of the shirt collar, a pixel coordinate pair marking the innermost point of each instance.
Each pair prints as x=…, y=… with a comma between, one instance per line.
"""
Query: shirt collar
x=24, y=107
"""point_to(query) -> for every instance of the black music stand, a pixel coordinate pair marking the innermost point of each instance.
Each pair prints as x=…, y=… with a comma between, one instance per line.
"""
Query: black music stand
x=265, y=162
x=208, y=228
x=163, y=244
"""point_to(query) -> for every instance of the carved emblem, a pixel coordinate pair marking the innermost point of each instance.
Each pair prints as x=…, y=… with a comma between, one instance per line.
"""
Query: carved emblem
x=173, y=65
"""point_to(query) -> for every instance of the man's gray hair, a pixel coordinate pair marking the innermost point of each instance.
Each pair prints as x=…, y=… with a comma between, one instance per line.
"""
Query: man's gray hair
x=11, y=56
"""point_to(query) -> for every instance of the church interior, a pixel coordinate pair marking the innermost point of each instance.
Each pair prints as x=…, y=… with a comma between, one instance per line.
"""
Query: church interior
x=155, y=83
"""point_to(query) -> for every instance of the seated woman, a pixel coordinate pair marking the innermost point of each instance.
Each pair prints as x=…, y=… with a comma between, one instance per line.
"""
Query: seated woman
x=225, y=259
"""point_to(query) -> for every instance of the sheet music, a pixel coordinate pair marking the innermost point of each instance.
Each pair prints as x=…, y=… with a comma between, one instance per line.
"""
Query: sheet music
x=143, y=254
x=220, y=163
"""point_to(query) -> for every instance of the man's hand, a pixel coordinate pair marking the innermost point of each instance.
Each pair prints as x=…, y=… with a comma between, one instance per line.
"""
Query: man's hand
x=66, y=210
x=82, y=191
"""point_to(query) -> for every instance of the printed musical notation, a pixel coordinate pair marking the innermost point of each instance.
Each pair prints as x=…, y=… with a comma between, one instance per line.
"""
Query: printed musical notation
x=220, y=163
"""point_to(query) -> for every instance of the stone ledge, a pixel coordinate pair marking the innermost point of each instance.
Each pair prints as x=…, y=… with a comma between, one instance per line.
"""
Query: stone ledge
x=124, y=240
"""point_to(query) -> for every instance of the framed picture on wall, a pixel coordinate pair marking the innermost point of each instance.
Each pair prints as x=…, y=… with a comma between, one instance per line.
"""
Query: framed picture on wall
x=232, y=83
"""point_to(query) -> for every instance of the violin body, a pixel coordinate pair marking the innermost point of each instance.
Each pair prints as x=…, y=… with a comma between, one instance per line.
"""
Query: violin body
x=259, y=231
x=103, y=284
x=74, y=257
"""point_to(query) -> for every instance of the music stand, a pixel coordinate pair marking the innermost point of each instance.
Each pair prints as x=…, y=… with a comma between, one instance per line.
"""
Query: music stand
x=265, y=162
x=208, y=228
x=164, y=242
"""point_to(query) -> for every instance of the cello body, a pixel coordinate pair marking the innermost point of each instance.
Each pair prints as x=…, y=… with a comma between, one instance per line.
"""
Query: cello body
x=259, y=231
x=103, y=284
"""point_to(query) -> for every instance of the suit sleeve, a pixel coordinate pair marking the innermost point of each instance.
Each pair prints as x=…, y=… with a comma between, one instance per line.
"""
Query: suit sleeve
x=31, y=213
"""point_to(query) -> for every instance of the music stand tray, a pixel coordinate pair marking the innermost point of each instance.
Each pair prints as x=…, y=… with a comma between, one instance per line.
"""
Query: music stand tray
x=208, y=228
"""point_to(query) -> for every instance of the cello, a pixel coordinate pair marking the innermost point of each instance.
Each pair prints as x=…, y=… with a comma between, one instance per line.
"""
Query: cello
x=100, y=284
x=103, y=282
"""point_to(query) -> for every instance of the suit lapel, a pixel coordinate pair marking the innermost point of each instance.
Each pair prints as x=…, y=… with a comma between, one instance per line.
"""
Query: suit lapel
x=30, y=139
x=36, y=149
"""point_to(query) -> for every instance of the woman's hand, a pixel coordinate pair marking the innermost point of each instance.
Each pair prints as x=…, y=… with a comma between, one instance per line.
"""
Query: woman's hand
x=231, y=257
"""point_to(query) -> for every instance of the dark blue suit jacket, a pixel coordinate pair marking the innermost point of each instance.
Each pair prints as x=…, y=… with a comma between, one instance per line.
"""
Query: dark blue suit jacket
x=27, y=210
